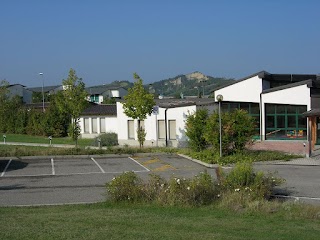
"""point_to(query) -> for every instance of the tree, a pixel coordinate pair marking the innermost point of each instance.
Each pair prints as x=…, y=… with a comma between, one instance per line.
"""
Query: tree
x=195, y=129
x=237, y=130
x=139, y=102
x=72, y=101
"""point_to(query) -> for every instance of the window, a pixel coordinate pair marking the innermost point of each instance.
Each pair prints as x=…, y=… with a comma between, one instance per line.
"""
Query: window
x=172, y=129
x=102, y=125
x=253, y=110
x=130, y=129
x=94, y=125
x=161, y=129
x=86, y=125
x=285, y=121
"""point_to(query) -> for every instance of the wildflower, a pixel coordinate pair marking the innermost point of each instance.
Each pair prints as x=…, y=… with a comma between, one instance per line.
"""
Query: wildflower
x=237, y=190
x=188, y=188
x=178, y=180
x=218, y=195
x=162, y=185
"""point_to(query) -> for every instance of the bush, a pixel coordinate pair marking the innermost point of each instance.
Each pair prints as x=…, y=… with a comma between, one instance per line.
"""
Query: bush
x=253, y=185
x=197, y=191
x=126, y=187
x=107, y=139
x=237, y=130
x=195, y=127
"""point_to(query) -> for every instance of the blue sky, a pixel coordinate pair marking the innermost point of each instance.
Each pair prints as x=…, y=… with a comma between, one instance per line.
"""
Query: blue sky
x=109, y=40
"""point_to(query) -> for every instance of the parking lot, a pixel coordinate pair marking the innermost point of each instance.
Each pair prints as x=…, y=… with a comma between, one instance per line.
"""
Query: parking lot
x=79, y=179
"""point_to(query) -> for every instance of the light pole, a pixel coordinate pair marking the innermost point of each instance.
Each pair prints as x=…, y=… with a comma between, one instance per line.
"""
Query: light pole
x=220, y=99
x=203, y=88
x=41, y=74
x=198, y=90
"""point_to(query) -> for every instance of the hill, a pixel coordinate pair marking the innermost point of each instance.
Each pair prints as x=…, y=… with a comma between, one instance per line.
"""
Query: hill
x=192, y=84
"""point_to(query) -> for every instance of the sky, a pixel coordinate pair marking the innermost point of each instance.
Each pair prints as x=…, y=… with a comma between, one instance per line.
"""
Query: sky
x=109, y=40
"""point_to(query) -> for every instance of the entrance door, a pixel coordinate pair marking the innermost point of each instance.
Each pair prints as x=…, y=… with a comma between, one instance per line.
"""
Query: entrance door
x=318, y=131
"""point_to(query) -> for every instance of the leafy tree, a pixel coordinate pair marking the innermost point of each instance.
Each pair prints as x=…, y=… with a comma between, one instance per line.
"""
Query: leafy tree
x=138, y=102
x=141, y=132
x=195, y=129
x=72, y=101
x=237, y=130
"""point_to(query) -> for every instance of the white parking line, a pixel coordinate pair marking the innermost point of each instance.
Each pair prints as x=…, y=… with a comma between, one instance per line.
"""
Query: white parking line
x=297, y=197
x=98, y=165
x=148, y=170
x=52, y=165
x=5, y=169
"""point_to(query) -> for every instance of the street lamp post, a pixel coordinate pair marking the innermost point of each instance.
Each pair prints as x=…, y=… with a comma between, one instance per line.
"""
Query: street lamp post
x=198, y=91
x=220, y=99
x=41, y=74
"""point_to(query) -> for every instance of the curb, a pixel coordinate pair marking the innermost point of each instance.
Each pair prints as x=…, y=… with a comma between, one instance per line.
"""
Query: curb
x=208, y=165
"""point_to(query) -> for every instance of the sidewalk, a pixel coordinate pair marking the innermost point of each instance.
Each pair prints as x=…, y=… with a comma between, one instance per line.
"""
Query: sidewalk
x=298, y=162
x=38, y=144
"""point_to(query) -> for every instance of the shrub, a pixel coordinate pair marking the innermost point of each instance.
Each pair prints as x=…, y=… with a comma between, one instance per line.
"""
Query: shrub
x=126, y=187
x=237, y=130
x=107, y=139
x=195, y=127
x=254, y=185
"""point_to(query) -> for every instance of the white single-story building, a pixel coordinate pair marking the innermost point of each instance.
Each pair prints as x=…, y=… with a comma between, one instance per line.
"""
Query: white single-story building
x=97, y=119
x=164, y=127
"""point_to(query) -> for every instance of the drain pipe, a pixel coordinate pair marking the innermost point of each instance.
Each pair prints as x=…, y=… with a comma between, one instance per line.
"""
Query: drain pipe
x=165, y=125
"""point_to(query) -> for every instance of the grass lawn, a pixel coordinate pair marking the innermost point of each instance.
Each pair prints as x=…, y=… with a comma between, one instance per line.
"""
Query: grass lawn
x=119, y=221
x=45, y=140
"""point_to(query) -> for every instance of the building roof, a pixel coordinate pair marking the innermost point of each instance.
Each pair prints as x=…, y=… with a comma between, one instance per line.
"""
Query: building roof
x=173, y=103
x=99, y=89
x=290, y=78
x=312, y=112
x=11, y=85
x=45, y=88
x=101, y=109
x=309, y=83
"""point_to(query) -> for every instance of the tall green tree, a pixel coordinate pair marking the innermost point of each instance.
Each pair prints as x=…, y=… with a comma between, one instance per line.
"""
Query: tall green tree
x=138, y=102
x=72, y=101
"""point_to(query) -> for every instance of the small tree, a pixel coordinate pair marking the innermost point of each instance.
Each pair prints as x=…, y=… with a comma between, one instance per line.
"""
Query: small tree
x=138, y=102
x=73, y=101
x=195, y=128
x=141, y=136
x=237, y=130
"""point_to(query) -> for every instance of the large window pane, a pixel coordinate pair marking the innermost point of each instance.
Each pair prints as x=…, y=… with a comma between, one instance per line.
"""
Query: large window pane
x=254, y=108
x=281, y=121
x=270, y=122
x=270, y=108
x=86, y=125
x=292, y=122
x=281, y=109
x=130, y=129
x=161, y=129
x=172, y=129
x=302, y=122
x=301, y=109
x=94, y=125
x=291, y=109
x=244, y=106
x=102, y=125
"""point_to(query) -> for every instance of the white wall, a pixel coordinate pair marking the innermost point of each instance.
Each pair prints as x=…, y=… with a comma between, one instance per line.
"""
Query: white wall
x=244, y=91
x=111, y=125
x=179, y=114
x=299, y=95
